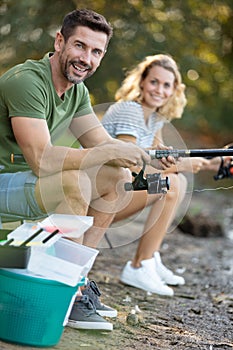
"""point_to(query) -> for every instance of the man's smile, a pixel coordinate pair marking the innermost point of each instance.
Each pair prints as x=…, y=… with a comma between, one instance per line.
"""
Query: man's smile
x=80, y=68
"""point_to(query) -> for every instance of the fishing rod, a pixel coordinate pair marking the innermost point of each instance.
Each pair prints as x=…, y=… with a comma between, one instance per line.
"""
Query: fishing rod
x=205, y=153
x=154, y=183
x=159, y=154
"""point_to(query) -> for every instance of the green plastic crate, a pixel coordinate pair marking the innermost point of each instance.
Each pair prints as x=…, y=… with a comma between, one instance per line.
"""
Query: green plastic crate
x=32, y=310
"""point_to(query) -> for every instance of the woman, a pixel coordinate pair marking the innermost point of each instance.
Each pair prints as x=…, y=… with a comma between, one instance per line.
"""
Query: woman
x=151, y=95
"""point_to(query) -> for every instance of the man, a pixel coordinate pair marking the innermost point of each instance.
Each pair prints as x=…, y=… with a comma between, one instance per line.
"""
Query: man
x=39, y=100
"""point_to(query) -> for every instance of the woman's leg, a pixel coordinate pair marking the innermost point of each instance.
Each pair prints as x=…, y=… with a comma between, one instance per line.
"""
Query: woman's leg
x=160, y=217
x=146, y=271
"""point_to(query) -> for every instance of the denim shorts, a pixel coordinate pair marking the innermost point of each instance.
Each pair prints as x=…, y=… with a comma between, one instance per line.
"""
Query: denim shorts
x=17, y=195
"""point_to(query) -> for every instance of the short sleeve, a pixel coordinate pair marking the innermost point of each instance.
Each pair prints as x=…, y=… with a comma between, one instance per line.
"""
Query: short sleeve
x=24, y=95
x=123, y=119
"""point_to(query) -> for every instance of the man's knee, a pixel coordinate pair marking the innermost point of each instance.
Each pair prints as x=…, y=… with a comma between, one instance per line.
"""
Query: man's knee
x=110, y=189
x=108, y=178
x=121, y=175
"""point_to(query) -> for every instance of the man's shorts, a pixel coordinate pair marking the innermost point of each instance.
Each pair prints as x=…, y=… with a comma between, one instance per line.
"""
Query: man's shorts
x=17, y=195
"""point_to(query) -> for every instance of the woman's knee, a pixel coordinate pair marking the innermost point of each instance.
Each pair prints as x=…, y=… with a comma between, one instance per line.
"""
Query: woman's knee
x=178, y=184
x=183, y=182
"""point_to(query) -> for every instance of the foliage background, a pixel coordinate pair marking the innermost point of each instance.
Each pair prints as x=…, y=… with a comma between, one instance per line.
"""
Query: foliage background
x=197, y=33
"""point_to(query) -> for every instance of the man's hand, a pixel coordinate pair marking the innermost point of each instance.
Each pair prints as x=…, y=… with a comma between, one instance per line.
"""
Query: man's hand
x=124, y=154
x=165, y=162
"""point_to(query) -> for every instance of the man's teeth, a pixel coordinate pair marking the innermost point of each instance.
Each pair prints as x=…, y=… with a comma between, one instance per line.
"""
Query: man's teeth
x=79, y=69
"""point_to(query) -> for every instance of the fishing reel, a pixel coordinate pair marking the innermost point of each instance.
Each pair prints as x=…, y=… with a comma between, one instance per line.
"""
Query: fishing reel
x=153, y=183
x=224, y=171
x=226, y=167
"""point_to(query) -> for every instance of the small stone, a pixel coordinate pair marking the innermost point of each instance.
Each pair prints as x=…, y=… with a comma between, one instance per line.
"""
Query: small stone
x=132, y=318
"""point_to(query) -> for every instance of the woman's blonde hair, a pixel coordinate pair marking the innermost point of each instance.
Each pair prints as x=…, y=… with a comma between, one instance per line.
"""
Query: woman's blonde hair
x=130, y=89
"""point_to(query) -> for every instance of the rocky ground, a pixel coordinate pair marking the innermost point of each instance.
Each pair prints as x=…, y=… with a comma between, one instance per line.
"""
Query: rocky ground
x=200, y=314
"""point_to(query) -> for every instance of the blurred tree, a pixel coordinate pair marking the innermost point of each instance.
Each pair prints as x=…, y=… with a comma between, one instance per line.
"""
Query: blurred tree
x=198, y=34
x=27, y=28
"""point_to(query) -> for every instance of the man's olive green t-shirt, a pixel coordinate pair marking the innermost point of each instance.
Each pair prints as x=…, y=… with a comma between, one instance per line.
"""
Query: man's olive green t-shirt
x=27, y=90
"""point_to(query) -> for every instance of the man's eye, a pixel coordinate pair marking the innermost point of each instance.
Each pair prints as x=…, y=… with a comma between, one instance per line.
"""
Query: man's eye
x=97, y=52
x=79, y=45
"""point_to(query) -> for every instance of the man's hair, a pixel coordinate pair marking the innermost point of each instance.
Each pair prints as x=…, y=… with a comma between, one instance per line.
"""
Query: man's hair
x=86, y=18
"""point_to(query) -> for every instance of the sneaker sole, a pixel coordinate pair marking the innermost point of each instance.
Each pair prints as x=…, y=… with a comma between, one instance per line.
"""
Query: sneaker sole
x=90, y=325
x=170, y=294
x=181, y=282
x=105, y=313
x=174, y=284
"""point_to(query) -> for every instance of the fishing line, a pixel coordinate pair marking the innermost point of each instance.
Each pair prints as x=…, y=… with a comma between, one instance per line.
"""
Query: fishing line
x=210, y=189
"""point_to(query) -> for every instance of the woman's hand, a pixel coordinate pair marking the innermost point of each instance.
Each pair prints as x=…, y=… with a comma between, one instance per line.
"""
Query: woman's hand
x=193, y=165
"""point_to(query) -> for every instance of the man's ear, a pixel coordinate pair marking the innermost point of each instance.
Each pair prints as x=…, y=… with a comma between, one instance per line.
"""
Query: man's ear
x=59, y=41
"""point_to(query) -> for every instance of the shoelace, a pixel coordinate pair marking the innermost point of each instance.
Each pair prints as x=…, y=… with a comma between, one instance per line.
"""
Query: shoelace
x=94, y=292
x=86, y=304
x=94, y=288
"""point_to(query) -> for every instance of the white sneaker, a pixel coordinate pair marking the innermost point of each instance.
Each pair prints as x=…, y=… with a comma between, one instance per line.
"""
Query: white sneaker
x=165, y=274
x=145, y=277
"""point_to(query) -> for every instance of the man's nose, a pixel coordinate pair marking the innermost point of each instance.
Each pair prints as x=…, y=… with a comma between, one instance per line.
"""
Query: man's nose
x=86, y=57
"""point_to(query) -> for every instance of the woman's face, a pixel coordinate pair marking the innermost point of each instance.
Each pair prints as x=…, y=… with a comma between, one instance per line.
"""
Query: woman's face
x=157, y=87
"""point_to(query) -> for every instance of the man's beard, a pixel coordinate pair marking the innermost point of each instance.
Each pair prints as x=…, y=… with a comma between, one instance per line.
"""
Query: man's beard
x=75, y=80
x=71, y=78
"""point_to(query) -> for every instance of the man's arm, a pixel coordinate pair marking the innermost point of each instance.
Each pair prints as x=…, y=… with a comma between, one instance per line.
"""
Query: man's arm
x=33, y=137
x=89, y=131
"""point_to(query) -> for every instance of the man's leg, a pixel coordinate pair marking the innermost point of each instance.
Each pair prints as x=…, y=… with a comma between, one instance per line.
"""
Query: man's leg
x=98, y=192
x=17, y=195
x=109, y=197
x=68, y=192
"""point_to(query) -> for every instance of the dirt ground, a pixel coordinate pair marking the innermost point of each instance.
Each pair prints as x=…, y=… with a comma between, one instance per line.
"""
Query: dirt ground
x=200, y=314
